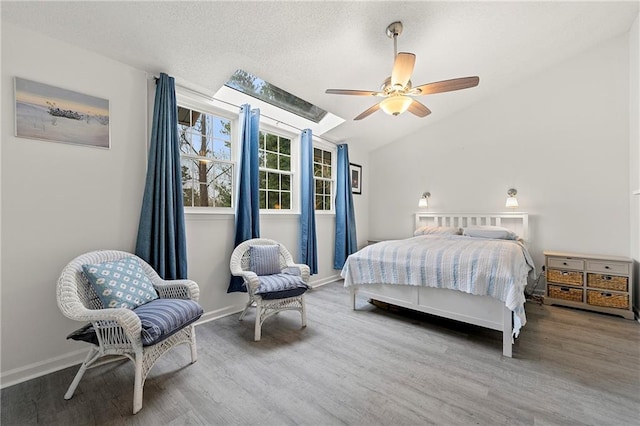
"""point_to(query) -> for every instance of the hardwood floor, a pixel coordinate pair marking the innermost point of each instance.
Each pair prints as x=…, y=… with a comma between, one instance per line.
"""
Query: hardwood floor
x=370, y=366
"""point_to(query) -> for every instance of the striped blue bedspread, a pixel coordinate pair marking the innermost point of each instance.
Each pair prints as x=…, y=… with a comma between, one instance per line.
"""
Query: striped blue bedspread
x=487, y=267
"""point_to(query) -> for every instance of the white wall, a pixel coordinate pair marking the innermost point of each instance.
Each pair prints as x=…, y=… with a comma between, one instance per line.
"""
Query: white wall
x=60, y=200
x=560, y=138
x=634, y=148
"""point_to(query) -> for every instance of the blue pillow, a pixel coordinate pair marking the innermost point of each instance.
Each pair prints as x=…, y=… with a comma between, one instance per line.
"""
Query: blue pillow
x=265, y=259
x=281, y=286
x=121, y=283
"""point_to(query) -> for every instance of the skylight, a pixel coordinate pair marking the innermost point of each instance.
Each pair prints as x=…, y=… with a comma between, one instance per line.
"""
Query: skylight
x=256, y=87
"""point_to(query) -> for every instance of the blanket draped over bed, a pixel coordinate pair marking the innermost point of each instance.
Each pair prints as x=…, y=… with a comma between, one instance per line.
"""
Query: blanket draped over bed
x=486, y=267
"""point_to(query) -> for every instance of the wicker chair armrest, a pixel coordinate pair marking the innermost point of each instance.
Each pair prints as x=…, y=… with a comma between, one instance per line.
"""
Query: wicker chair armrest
x=177, y=289
x=250, y=278
x=304, y=270
x=106, y=320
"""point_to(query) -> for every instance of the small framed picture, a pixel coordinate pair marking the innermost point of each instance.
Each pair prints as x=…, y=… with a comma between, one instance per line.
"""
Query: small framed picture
x=356, y=178
x=54, y=114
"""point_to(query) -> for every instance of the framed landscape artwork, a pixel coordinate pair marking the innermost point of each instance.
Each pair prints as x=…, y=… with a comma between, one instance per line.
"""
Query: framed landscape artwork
x=53, y=114
x=356, y=178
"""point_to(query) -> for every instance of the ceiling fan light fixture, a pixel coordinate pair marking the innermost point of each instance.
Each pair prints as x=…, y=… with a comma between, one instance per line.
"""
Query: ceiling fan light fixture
x=395, y=105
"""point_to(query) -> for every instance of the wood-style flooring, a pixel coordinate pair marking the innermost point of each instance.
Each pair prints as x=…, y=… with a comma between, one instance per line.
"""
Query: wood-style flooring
x=366, y=367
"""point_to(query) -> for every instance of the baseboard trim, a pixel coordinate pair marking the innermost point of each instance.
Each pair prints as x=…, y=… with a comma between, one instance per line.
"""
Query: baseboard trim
x=51, y=365
x=324, y=281
x=42, y=368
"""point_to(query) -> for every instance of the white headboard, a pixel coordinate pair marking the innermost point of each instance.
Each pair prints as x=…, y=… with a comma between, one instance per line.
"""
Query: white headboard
x=516, y=222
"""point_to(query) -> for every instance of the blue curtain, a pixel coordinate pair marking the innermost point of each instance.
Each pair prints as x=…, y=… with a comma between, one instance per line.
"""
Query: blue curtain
x=161, y=238
x=346, y=242
x=248, y=194
x=308, y=242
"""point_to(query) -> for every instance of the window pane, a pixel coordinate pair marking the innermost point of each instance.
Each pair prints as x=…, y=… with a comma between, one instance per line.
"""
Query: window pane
x=285, y=182
x=285, y=163
x=317, y=155
x=272, y=161
x=184, y=116
x=285, y=146
x=319, y=202
x=326, y=172
x=286, y=200
x=317, y=170
x=327, y=157
x=272, y=142
x=274, y=181
x=327, y=187
x=263, y=179
x=220, y=178
x=319, y=187
x=273, y=199
x=263, y=199
x=262, y=140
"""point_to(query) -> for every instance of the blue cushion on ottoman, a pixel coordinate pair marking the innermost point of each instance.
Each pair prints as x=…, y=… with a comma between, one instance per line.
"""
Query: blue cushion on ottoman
x=281, y=286
x=161, y=318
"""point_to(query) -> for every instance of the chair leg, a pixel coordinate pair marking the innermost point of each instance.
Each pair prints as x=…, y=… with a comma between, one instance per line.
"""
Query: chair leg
x=258, y=326
x=194, y=352
x=91, y=357
x=246, y=308
x=303, y=312
x=137, y=385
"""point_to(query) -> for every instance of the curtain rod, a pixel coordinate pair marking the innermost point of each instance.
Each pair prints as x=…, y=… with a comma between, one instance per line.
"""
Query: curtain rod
x=238, y=106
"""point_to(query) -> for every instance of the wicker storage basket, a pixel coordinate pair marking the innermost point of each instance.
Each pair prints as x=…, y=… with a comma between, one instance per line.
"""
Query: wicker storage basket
x=564, y=277
x=607, y=282
x=565, y=293
x=609, y=300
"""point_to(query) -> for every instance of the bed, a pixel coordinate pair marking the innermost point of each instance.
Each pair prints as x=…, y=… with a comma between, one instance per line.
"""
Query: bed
x=475, y=280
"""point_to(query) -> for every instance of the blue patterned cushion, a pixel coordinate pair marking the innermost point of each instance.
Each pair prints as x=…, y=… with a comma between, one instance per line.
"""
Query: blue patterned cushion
x=163, y=317
x=280, y=286
x=121, y=283
x=264, y=260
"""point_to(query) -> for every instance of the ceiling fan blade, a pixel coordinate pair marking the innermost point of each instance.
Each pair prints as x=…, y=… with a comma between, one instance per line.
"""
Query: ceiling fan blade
x=351, y=92
x=368, y=112
x=418, y=109
x=402, y=69
x=446, y=86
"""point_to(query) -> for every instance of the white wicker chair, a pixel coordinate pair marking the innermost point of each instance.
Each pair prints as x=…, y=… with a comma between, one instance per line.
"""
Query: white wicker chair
x=239, y=264
x=118, y=329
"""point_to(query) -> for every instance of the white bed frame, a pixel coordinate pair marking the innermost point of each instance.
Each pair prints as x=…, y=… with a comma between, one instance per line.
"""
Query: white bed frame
x=484, y=311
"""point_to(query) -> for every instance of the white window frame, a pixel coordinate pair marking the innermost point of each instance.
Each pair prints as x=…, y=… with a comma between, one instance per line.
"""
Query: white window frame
x=188, y=99
x=325, y=146
x=295, y=166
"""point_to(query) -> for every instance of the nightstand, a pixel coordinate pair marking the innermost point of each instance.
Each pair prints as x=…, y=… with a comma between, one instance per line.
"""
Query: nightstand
x=594, y=282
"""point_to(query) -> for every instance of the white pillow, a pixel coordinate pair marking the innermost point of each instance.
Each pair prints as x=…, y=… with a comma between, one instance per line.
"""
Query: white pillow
x=496, y=232
x=439, y=230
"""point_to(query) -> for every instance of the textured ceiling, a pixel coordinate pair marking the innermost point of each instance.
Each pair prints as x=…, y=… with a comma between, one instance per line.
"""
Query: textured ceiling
x=307, y=47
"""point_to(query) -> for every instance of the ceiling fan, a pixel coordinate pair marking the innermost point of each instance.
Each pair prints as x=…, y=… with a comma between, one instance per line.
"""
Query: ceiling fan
x=397, y=89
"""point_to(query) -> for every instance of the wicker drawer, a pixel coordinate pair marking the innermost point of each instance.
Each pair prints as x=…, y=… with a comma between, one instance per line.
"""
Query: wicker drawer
x=565, y=293
x=610, y=300
x=607, y=282
x=565, y=263
x=608, y=267
x=565, y=277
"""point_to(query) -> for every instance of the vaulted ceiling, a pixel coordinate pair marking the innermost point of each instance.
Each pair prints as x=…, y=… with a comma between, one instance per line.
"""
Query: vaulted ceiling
x=307, y=47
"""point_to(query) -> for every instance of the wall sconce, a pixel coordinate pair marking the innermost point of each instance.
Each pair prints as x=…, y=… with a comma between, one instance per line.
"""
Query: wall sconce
x=424, y=200
x=512, y=201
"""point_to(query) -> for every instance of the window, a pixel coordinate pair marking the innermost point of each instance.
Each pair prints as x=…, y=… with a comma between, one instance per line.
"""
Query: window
x=322, y=176
x=205, y=155
x=275, y=171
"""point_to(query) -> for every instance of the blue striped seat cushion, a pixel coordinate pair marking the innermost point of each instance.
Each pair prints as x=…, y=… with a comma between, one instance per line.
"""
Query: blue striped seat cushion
x=281, y=286
x=265, y=259
x=161, y=318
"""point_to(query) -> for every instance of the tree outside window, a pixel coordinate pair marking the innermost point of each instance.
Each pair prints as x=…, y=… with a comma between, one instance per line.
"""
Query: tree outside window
x=205, y=154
